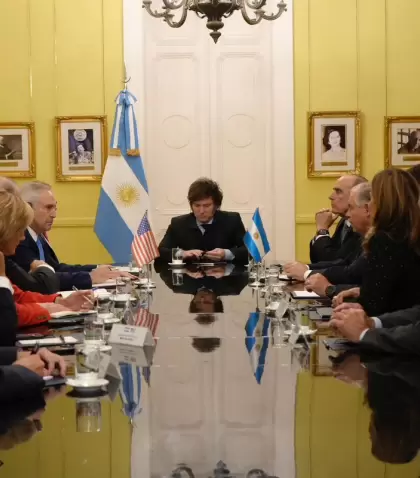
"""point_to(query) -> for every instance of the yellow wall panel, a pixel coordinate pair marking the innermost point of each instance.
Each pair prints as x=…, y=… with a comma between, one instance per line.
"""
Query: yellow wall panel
x=332, y=55
x=80, y=57
x=15, y=104
x=402, y=72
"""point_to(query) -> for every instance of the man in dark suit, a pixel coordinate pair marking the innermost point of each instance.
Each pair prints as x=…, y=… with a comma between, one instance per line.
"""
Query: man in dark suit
x=394, y=332
x=344, y=246
x=206, y=232
x=337, y=278
x=36, y=247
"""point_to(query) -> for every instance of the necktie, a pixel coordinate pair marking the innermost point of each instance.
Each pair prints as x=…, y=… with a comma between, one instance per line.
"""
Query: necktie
x=40, y=249
x=344, y=232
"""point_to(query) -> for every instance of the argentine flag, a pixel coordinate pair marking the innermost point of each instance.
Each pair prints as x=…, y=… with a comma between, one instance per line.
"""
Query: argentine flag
x=124, y=196
x=256, y=239
x=256, y=342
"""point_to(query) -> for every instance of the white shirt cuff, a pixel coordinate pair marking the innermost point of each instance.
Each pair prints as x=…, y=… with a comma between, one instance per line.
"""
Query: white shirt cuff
x=307, y=273
x=47, y=266
x=6, y=284
x=229, y=255
x=363, y=334
x=320, y=235
x=377, y=322
x=228, y=269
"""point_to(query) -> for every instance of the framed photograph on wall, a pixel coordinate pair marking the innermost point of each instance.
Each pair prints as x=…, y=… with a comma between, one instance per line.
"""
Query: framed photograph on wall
x=333, y=143
x=17, y=150
x=402, y=141
x=81, y=147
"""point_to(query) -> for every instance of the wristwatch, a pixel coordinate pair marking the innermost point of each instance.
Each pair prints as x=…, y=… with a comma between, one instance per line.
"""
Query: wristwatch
x=322, y=232
x=330, y=291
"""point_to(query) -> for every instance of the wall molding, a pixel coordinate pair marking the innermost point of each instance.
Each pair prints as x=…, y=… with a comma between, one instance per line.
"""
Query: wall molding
x=74, y=222
x=305, y=219
x=65, y=222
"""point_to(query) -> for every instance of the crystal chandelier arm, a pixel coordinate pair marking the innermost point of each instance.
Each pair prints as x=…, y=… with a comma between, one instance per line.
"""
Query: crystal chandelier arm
x=248, y=19
x=181, y=21
x=273, y=16
x=173, y=5
x=255, y=4
x=147, y=5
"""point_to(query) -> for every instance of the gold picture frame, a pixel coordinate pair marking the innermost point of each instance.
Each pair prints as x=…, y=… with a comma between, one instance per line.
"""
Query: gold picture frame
x=401, y=136
x=17, y=150
x=327, y=160
x=81, y=143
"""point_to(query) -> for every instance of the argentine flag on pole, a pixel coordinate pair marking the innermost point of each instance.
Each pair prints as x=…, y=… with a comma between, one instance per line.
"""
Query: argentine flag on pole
x=257, y=341
x=124, y=196
x=256, y=239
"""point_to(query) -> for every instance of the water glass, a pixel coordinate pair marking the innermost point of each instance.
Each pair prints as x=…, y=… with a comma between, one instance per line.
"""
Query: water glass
x=88, y=415
x=177, y=278
x=93, y=329
x=88, y=357
x=176, y=255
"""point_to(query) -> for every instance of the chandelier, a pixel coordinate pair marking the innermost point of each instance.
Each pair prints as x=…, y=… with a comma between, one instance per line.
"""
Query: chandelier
x=253, y=12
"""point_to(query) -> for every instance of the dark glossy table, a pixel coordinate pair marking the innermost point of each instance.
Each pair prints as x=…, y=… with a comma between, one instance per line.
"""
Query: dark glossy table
x=203, y=411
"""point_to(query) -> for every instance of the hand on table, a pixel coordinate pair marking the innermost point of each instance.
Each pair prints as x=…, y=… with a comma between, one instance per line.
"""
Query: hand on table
x=346, y=294
x=350, y=323
x=35, y=264
x=192, y=254
x=78, y=300
x=216, y=272
x=350, y=370
x=317, y=283
x=295, y=270
x=34, y=363
x=102, y=274
x=195, y=274
x=324, y=219
x=52, y=361
x=215, y=255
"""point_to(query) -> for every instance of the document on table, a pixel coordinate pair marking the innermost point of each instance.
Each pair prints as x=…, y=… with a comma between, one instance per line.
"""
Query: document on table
x=47, y=341
x=304, y=294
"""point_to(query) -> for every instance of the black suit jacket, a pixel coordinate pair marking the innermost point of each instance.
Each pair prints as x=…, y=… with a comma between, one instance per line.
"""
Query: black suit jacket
x=8, y=325
x=17, y=382
x=404, y=339
x=227, y=232
x=391, y=280
x=42, y=280
x=401, y=317
x=352, y=274
x=68, y=275
x=328, y=248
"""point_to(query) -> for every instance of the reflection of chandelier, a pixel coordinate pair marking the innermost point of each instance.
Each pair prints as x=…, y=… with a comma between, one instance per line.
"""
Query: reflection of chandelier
x=214, y=11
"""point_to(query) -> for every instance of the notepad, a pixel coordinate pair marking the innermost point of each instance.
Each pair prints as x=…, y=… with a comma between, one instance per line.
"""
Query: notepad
x=304, y=294
x=284, y=277
x=70, y=313
x=64, y=340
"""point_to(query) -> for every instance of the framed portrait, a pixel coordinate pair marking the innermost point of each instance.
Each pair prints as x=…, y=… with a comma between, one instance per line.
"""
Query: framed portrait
x=17, y=150
x=333, y=144
x=81, y=147
x=402, y=141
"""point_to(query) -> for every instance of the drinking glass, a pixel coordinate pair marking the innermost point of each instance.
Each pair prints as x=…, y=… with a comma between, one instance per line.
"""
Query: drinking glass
x=88, y=357
x=176, y=255
x=88, y=415
x=93, y=328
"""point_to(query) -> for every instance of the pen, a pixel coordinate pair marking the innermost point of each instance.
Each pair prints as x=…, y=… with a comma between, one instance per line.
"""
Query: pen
x=87, y=298
x=36, y=348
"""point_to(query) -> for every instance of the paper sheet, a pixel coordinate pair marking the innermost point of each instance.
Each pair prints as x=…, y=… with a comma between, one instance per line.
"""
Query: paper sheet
x=50, y=341
x=304, y=294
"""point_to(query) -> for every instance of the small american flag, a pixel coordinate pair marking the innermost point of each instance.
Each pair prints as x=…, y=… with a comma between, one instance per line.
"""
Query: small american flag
x=147, y=319
x=144, y=248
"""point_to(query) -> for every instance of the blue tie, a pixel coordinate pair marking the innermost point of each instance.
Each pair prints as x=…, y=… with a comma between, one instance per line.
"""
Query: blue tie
x=40, y=249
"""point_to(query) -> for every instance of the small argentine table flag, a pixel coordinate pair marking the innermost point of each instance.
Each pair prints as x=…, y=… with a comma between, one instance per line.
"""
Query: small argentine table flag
x=256, y=239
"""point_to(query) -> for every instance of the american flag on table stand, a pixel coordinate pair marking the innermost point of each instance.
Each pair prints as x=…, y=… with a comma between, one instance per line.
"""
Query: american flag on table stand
x=151, y=321
x=144, y=248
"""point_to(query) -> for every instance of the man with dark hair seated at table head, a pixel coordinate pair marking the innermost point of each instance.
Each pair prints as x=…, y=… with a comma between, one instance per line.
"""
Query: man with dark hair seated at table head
x=206, y=301
x=206, y=232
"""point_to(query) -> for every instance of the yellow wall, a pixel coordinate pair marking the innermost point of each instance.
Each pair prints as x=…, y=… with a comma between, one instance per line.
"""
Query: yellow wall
x=62, y=58
x=351, y=55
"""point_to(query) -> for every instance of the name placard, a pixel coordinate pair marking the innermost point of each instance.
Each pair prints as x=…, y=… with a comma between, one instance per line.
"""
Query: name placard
x=138, y=356
x=131, y=335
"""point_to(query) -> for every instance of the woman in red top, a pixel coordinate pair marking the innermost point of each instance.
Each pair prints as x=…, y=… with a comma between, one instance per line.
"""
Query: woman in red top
x=32, y=308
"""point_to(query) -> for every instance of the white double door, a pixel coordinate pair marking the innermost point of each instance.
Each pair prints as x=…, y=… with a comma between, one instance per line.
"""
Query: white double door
x=224, y=111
